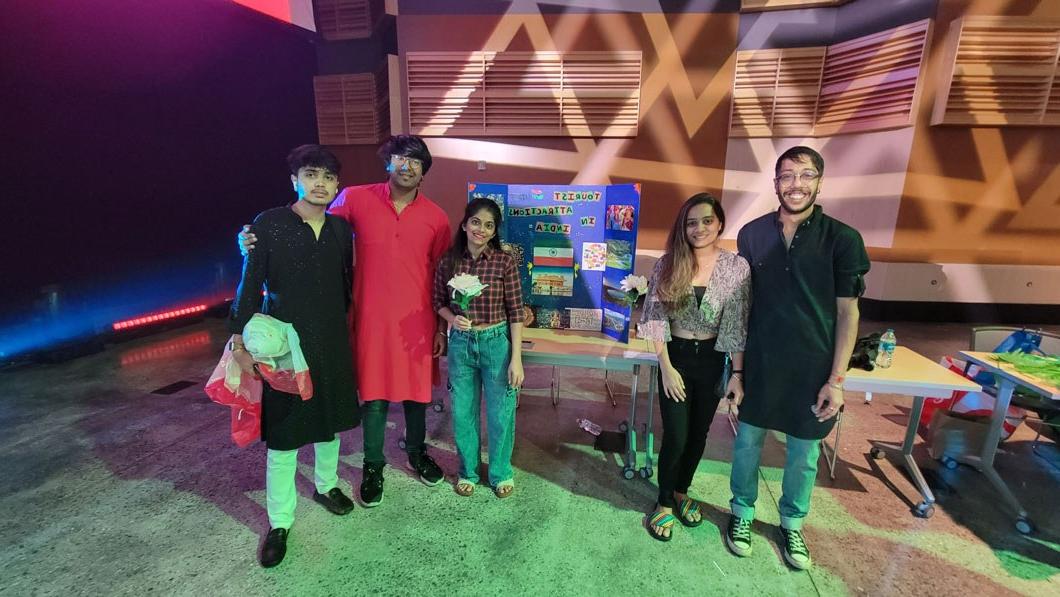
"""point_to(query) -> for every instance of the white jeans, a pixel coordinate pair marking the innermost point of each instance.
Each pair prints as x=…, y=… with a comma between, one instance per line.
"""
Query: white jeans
x=281, y=497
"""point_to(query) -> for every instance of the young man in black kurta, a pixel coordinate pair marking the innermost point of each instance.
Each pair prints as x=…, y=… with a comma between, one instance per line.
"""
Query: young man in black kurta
x=303, y=261
x=806, y=276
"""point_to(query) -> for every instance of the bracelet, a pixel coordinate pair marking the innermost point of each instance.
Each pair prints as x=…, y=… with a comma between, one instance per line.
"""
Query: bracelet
x=443, y=334
x=234, y=346
x=735, y=371
x=737, y=374
x=837, y=386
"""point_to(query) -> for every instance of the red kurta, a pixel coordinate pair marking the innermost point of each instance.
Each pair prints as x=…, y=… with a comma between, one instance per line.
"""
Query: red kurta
x=393, y=322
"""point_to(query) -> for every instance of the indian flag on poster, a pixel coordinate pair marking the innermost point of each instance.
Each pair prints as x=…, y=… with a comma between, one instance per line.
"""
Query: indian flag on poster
x=553, y=256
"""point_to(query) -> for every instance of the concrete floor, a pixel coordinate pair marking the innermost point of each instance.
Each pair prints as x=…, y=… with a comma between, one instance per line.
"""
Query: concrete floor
x=109, y=488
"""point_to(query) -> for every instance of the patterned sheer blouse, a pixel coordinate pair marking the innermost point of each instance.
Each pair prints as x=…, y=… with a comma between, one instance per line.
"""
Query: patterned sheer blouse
x=722, y=311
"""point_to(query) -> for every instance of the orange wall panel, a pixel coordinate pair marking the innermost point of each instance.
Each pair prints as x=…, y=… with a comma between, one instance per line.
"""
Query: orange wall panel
x=979, y=194
x=685, y=89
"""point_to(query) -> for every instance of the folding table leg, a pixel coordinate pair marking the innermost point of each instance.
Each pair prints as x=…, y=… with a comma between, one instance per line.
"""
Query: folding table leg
x=610, y=391
x=927, y=507
x=649, y=435
x=555, y=385
x=984, y=462
x=629, y=470
x=832, y=452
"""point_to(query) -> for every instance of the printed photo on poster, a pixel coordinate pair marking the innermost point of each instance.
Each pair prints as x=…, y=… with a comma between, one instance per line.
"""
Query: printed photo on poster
x=620, y=217
x=552, y=281
x=585, y=319
x=619, y=254
x=594, y=257
x=613, y=320
x=548, y=318
x=613, y=288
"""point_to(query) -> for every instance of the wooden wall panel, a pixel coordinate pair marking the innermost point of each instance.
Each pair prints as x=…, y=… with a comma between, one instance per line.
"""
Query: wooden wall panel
x=338, y=20
x=541, y=94
x=763, y=5
x=775, y=92
x=869, y=83
x=352, y=109
x=1001, y=71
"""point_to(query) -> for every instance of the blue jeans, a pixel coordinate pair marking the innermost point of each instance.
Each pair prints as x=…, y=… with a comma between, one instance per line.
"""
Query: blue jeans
x=800, y=472
x=479, y=359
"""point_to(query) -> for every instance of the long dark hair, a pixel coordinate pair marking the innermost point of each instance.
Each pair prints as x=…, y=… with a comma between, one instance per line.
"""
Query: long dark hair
x=459, y=246
x=679, y=263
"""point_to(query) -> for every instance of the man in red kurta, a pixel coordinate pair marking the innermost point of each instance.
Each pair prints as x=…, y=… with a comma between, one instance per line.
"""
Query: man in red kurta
x=399, y=236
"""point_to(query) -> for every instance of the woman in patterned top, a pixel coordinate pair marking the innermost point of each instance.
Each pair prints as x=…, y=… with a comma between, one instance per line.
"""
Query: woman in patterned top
x=695, y=312
x=485, y=346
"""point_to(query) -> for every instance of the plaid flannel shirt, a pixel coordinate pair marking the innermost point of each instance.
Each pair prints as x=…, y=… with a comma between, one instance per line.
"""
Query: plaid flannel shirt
x=501, y=300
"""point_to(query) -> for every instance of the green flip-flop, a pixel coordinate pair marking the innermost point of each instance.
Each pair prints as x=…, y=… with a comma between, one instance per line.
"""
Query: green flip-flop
x=662, y=520
x=685, y=508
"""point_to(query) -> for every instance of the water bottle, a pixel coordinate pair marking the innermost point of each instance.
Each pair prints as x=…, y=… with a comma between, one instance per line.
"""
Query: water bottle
x=886, y=353
x=589, y=426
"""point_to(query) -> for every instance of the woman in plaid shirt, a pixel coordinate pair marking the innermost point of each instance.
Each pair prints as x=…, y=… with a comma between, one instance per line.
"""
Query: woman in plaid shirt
x=485, y=344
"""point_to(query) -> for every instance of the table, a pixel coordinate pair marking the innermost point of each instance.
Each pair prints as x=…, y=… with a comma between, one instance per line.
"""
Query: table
x=1008, y=378
x=910, y=374
x=594, y=350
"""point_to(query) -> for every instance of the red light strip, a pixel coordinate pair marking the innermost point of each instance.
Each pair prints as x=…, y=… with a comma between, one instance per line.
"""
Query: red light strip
x=131, y=323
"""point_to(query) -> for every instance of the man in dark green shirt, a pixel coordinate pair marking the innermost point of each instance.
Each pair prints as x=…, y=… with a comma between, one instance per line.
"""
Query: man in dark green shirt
x=806, y=276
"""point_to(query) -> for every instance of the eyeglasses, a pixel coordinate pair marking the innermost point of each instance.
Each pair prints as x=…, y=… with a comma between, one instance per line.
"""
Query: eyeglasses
x=403, y=160
x=804, y=177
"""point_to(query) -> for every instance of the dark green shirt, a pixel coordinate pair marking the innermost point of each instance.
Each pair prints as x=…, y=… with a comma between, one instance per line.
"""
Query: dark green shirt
x=791, y=331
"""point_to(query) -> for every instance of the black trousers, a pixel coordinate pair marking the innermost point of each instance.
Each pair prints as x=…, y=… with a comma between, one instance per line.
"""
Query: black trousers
x=686, y=423
x=373, y=421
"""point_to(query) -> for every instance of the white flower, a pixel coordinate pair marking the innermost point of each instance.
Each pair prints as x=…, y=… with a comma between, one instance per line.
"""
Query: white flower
x=634, y=283
x=466, y=284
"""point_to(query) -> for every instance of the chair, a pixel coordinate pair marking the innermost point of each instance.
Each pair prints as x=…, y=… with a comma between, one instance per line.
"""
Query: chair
x=987, y=338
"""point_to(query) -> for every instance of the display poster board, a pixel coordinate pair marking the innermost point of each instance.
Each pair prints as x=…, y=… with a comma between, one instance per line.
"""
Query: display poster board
x=573, y=244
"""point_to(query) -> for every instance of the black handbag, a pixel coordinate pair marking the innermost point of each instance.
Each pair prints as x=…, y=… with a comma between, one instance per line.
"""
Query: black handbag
x=722, y=386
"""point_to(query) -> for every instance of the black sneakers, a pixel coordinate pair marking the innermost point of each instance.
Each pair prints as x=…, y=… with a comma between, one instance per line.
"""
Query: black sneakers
x=372, y=485
x=334, y=500
x=274, y=548
x=738, y=536
x=796, y=554
x=425, y=466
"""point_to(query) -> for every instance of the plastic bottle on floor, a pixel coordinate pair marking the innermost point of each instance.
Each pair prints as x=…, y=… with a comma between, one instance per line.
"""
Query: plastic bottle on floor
x=589, y=426
x=885, y=356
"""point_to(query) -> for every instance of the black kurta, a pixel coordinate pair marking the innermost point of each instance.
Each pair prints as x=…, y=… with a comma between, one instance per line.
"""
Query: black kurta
x=308, y=284
x=791, y=331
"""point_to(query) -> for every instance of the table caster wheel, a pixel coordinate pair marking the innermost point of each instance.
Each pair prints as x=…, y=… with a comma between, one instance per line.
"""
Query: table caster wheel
x=1025, y=526
x=623, y=426
x=876, y=453
x=949, y=463
x=401, y=444
x=924, y=510
x=645, y=473
x=627, y=473
x=438, y=407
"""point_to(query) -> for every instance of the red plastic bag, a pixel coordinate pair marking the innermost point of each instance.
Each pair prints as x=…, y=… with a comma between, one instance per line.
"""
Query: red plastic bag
x=978, y=404
x=981, y=404
x=244, y=398
x=933, y=404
